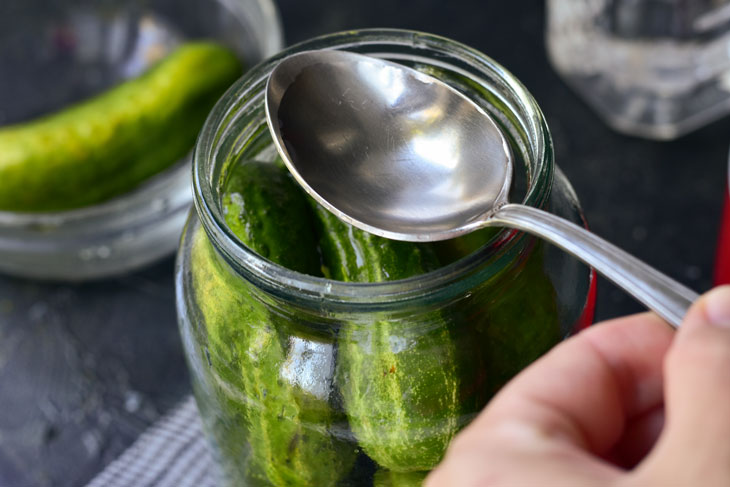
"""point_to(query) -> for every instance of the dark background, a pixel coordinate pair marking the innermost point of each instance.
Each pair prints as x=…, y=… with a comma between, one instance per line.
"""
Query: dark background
x=85, y=368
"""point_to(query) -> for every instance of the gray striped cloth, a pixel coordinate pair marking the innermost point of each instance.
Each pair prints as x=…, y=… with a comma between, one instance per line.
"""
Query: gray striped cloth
x=170, y=453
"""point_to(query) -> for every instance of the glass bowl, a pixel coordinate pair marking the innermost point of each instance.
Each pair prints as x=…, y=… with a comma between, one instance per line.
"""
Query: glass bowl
x=54, y=53
x=305, y=380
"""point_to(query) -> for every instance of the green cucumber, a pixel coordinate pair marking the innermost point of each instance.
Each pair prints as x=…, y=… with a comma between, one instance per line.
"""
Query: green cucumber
x=522, y=324
x=449, y=251
x=352, y=255
x=387, y=478
x=108, y=144
x=399, y=379
x=269, y=213
x=514, y=315
x=224, y=311
x=258, y=352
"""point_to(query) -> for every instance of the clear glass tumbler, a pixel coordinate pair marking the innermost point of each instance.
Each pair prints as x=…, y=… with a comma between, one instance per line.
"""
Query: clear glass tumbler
x=651, y=68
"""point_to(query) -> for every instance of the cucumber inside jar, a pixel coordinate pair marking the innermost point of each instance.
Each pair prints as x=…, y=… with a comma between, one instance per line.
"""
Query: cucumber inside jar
x=274, y=376
x=390, y=388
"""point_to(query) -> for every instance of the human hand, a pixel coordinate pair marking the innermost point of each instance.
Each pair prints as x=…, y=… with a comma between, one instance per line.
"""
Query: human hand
x=623, y=403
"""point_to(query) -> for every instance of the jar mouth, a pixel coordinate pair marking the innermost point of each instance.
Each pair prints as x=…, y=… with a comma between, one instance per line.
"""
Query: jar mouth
x=230, y=128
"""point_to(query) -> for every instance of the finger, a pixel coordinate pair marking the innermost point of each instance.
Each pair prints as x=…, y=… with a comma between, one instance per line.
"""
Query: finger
x=576, y=398
x=698, y=392
x=512, y=455
x=587, y=387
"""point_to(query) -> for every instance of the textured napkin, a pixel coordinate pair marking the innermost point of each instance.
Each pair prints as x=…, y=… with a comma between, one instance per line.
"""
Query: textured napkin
x=170, y=453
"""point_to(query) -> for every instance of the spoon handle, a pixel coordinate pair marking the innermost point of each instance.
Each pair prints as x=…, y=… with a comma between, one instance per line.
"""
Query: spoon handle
x=658, y=292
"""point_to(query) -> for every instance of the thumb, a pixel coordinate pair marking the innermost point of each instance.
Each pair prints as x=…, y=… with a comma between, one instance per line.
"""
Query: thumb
x=695, y=443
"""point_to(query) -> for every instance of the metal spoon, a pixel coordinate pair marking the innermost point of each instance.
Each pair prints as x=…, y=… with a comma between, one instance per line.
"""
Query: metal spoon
x=403, y=155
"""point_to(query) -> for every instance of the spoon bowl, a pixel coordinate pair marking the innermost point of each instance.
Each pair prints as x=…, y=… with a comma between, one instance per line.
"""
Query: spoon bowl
x=403, y=155
x=423, y=178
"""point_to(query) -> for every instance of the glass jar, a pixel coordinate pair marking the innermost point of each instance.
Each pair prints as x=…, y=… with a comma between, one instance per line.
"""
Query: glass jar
x=304, y=380
x=53, y=53
x=652, y=68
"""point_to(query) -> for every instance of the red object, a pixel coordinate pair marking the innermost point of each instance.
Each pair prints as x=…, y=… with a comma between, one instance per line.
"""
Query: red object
x=586, y=317
x=722, y=261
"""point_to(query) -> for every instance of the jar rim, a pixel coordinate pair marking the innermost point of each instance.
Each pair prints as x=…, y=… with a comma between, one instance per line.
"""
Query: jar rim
x=498, y=252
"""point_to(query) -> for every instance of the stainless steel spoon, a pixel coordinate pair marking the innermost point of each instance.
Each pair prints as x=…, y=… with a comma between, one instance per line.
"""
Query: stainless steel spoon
x=403, y=155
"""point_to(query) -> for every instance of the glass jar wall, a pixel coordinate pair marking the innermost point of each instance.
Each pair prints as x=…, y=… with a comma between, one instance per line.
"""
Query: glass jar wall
x=304, y=380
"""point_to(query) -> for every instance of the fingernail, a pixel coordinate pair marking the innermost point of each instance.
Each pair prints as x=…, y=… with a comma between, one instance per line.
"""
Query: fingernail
x=717, y=306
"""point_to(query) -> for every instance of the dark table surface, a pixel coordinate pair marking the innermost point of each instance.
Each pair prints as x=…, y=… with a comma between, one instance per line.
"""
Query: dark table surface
x=85, y=368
